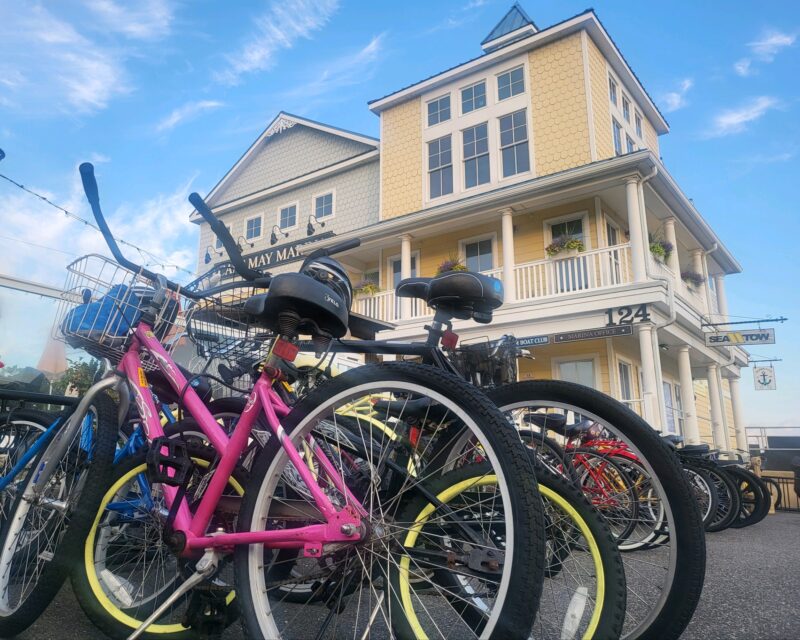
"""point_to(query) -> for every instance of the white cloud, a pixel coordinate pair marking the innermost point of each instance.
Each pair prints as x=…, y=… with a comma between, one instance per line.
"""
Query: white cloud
x=186, y=112
x=769, y=45
x=674, y=100
x=345, y=71
x=141, y=20
x=48, y=65
x=732, y=121
x=278, y=28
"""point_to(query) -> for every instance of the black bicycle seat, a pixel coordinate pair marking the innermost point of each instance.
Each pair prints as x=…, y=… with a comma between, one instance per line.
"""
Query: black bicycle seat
x=554, y=421
x=695, y=449
x=461, y=294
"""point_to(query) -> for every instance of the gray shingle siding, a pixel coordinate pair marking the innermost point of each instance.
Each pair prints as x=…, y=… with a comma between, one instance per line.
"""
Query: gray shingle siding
x=286, y=155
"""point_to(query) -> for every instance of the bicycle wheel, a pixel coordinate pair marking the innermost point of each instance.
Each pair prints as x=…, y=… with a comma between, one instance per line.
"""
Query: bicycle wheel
x=728, y=500
x=496, y=582
x=44, y=530
x=776, y=495
x=754, y=497
x=704, y=492
x=19, y=429
x=663, y=582
x=127, y=570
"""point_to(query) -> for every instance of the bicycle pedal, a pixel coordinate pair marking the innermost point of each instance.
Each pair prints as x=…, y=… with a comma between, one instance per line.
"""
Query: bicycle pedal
x=168, y=462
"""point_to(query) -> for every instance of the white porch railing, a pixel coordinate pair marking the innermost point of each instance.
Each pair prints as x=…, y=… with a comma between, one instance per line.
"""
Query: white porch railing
x=597, y=269
x=386, y=306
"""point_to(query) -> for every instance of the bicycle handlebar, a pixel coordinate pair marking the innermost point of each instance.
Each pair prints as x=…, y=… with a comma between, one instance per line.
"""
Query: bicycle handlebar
x=92, y=195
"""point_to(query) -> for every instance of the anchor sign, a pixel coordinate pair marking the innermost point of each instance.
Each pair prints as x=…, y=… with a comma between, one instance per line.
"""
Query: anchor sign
x=764, y=378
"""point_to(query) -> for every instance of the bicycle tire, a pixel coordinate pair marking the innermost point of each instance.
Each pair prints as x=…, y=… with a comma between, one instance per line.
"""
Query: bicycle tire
x=677, y=601
x=91, y=591
x=80, y=506
x=776, y=491
x=753, y=508
x=699, y=476
x=728, y=500
x=523, y=584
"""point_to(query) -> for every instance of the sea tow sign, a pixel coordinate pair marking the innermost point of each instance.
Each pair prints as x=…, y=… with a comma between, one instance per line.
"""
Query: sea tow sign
x=748, y=337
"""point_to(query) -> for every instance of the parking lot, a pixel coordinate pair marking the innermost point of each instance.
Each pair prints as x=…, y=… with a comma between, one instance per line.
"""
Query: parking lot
x=752, y=590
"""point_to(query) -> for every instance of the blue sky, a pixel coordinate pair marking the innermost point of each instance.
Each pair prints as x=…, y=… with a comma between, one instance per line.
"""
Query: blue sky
x=165, y=95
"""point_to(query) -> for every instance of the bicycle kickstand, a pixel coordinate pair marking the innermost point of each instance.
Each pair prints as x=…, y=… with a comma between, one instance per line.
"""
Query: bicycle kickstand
x=206, y=567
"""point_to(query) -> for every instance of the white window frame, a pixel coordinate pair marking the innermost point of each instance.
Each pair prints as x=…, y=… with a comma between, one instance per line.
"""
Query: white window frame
x=629, y=142
x=587, y=229
x=463, y=176
x=615, y=99
x=452, y=165
x=556, y=361
x=497, y=75
x=461, y=100
x=462, y=247
x=615, y=125
x=395, y=257
x=670, y=407
x=639, y=130
x=633, y=402
x=617, y=113
x=616, y=226
x=296, y=205
x=447, y=94
x=626, y=99
x=314, y=197
x=528, y=139
x=260, y=228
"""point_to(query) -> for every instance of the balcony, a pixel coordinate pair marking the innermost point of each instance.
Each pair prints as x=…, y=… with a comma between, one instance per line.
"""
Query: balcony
x=541, y=279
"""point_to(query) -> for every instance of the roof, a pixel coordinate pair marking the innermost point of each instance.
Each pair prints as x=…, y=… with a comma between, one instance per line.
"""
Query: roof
x=587, y=20
x=516, y=18
x=280, y=122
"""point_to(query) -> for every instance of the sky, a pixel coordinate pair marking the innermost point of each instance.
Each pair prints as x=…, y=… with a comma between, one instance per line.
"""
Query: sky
x=165, y=95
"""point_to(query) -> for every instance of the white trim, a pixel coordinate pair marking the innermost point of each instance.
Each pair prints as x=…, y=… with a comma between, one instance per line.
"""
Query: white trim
x=469, y=86
x=617, y=113
x=587, y=227
x=587, y=21
x=508, y=70
x=507, y=37
x=587, y=87
x=314, y=196
x=397, y=257
x=296, y=205
x=555, y=361
x=627, y=361
x=259, y=217
x=445, y=94
x=484, y=236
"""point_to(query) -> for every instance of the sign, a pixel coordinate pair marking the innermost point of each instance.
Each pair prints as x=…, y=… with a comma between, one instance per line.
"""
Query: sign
x=764, y=378
x=533, y=341
x=745, y=337
x=594, y=334
x=274, y=256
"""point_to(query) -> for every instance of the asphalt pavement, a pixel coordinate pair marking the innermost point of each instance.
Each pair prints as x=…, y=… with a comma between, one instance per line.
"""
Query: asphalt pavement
x=752, y=590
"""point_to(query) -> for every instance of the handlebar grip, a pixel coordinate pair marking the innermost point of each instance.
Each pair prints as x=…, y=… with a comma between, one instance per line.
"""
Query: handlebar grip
x=2, y=154
x=89, y=183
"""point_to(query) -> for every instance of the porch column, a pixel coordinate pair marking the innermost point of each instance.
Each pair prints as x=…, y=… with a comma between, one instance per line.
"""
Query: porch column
x=715, y=403
x=722, y=298
x=738, y=415
x=650, y=392
x=697, y=267
x=509, y=282
x=405, y=272
x=669, y=235
x=691, y=431
x=638, y=254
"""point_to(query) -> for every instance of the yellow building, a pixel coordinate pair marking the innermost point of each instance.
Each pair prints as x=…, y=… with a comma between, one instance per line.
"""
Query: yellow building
x=538, y=162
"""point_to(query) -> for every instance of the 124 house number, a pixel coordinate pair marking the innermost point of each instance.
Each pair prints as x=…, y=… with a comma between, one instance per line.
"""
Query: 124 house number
x=627, y=315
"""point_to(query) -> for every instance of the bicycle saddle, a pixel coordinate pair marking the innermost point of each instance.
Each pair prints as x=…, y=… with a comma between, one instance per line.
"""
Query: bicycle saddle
x=296, y=304
x=161, y=387
x=461, y=294
x=695, y=449
x=672, y=439
x=554, y=421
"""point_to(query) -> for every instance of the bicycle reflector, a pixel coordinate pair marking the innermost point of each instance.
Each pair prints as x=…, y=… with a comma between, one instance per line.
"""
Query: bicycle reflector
x=168, y=462
x=449, y=339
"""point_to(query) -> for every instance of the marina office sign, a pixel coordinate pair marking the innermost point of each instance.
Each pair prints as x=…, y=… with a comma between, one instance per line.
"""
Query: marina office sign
x=746, y=337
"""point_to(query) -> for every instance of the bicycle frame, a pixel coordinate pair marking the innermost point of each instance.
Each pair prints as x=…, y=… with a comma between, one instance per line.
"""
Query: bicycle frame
x=262, y=399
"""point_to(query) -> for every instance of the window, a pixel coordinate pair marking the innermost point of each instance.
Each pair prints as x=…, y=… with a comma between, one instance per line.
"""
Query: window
x=288, y=217
x=479, y=255
x=626, y=108
x=372, y=276
x=669, y=406
x=638, y=120
x=476, y=155
x=514, y=144
x=440, y=167
x=473, y=97
x=438, y=110
x=679, y=407
x=569, y=229
x=510, y=83
x=630, y=144
x=578, y=371
x=323, y=206
x=617, y=137
x=612, y=90
x=625, y=383
x=252, y=228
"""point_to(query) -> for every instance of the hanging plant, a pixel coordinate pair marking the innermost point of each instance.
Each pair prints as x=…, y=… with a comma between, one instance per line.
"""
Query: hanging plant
x=564, y=243
x=451, y=264
x=661, y=249
x=693, y=278
x=366, y=288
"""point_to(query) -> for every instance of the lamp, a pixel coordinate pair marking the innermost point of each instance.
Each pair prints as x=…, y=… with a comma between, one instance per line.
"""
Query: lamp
x=207, y=257
x=310, y=227
x=242, y=239
x=273, y=238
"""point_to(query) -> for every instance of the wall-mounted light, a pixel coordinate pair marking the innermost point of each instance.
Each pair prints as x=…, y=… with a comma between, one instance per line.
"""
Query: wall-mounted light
x=209, y=249
x=241, y=240
x=273, y=238
x=310, y=227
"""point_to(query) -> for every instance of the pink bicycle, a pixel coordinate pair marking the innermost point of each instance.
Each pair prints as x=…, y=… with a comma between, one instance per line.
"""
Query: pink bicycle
x=385, y=535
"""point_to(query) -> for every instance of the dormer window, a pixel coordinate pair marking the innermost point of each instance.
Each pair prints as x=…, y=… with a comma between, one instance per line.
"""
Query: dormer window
x=439, y=110
x=510, y=83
